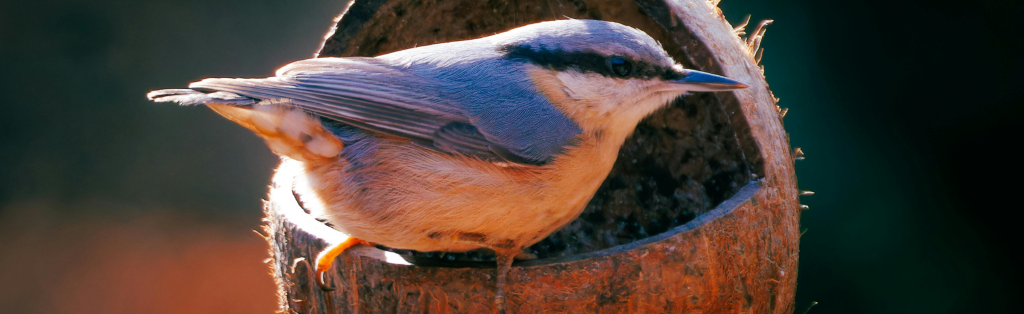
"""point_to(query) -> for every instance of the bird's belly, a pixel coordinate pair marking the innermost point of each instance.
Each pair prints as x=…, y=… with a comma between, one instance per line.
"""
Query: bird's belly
x=425, y=201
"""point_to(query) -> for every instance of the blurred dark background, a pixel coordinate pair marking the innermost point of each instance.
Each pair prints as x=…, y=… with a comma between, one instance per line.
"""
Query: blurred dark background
x=112, y=204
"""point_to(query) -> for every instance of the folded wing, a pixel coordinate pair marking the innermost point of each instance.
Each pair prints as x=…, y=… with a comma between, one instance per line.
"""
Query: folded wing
x=369, y=94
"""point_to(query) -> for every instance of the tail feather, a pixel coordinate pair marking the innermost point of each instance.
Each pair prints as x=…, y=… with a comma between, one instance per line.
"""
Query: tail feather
x=287, y=130
x=191, y=97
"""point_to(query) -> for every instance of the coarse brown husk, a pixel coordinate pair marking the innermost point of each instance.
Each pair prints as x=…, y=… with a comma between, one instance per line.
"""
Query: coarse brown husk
x=700, y=212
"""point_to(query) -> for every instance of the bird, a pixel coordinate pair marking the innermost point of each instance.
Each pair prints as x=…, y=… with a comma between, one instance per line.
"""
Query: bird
x=493, y=142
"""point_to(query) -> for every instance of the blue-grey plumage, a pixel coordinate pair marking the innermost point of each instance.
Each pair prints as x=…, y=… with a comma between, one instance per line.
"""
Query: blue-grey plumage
x=494, y=142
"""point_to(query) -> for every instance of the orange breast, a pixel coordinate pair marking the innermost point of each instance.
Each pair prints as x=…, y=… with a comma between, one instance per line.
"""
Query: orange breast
x=415, y=198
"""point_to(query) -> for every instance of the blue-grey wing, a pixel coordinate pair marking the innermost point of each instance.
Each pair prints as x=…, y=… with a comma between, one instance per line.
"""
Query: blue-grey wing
x=434, y=111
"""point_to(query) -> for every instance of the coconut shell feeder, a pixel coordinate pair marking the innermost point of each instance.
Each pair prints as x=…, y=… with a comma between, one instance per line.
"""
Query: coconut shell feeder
x=700, y=213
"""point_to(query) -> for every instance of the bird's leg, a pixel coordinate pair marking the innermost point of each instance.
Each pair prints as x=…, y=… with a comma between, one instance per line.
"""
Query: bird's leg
x=325, y=259
x=504, y=259
x=504, y=253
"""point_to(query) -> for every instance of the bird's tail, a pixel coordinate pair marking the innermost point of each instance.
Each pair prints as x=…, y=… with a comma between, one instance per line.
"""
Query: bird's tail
x=192, y=97
x=289, y=131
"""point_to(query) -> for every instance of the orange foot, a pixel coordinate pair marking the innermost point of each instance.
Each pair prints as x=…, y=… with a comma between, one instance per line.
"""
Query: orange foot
x=326, y=258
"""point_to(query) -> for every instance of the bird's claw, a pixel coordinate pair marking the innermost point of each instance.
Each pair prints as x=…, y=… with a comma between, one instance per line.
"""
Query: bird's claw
x=326, y=258
x=321, y=280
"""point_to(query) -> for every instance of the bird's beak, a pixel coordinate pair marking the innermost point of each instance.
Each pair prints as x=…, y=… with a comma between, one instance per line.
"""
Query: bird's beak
x=698, y=81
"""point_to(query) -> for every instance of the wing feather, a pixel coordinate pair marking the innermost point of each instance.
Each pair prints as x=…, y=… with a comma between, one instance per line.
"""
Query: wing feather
x=375, y=95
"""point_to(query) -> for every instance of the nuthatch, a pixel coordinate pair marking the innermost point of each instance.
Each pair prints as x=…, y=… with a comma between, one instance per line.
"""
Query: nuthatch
x=493, y=142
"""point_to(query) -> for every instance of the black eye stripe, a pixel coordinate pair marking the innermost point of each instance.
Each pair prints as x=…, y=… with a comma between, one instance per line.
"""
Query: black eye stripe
x=560, y=60
x=620, y=66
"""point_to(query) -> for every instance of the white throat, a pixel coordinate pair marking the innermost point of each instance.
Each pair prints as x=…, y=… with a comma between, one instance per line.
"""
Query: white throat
x=618, y=101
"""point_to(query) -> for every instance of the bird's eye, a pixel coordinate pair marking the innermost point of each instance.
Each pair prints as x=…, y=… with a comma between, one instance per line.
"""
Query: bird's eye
x=620, y=66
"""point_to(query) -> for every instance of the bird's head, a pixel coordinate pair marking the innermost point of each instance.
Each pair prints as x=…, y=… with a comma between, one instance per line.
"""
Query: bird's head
x=603, y=74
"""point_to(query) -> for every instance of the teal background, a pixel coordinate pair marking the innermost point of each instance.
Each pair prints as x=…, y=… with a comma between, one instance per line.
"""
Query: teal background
x=906, y=111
